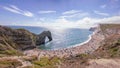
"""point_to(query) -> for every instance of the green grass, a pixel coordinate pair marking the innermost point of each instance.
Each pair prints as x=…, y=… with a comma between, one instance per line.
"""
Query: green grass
x=103, y=27
x=11, y=52
x=82, y=55
x=46, y=62
x=30, y=58
x=113, y=51
x=110, y=49
x=118, y=42
x=8, y=63
x=28, y=67
x=83, y=58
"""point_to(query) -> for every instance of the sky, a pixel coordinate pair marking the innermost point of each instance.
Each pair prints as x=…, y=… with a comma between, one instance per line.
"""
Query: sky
x=59, y=13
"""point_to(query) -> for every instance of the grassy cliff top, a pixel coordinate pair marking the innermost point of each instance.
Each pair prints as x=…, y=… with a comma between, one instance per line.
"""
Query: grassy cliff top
x=107, y=26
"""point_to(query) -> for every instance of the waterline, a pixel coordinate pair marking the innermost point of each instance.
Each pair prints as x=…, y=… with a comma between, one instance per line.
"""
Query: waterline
x=80, y=44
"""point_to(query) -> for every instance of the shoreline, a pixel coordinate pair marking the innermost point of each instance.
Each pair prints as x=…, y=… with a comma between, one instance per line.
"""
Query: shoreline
x=79, y=44
x=86, y=47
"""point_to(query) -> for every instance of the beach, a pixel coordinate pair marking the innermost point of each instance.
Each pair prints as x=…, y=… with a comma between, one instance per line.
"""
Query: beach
x=89, y=46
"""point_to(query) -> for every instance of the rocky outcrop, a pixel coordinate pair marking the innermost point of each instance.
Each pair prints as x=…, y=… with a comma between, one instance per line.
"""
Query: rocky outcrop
x=21, y=39
x=41, y=37
x=92, y=28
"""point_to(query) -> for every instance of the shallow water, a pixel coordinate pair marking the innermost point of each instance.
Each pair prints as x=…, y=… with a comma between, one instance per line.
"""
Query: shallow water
x=62, y=38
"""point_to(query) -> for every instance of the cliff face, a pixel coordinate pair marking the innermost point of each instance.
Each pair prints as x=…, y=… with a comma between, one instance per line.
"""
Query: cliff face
x=15, y=39
x=110, y=46
x=19, y=39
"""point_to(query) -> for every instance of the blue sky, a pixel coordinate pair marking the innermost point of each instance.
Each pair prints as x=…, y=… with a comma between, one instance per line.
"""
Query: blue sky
x=63, y=13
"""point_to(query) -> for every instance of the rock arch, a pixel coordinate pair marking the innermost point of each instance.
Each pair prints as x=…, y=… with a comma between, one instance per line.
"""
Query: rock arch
x=41, y=37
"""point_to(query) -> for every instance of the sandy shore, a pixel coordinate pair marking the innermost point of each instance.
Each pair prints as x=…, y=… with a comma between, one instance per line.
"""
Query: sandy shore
x=87, y=47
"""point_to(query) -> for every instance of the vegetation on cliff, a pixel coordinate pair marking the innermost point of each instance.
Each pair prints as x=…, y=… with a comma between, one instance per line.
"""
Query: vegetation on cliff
x=13, y=41
x=46, y=62
x=9, y=63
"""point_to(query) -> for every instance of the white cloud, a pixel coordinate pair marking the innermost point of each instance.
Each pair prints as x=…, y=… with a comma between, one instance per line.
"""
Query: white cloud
x=45, y=12
x=85, y=22
x=101, y=13
x=114, y=20
x=89, y=22
x=27, y=13
x=71, y=12
x=74, y=14
x=15, y=9
x=11, y=10
x=77, y=15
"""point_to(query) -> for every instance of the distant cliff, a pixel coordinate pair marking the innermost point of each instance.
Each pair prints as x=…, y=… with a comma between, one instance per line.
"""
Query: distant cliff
x=21, y=39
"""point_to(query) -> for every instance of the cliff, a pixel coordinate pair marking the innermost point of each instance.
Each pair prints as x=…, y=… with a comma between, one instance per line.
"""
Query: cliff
x=110, y=46
x=105, y=54
x=20, y=39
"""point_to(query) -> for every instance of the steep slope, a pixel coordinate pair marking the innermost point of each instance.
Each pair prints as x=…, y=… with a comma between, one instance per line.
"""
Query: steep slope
x=111, y=45
x=14, y=40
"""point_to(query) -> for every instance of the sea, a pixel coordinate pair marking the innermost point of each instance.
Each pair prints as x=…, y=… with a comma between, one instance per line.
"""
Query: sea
x=62, y=37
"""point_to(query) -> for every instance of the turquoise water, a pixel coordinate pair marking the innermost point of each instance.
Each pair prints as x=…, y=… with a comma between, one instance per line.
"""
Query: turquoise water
x=62, y=38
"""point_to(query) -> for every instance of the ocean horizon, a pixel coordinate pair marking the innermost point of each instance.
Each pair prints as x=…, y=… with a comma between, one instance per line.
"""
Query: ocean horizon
x=62, y=38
